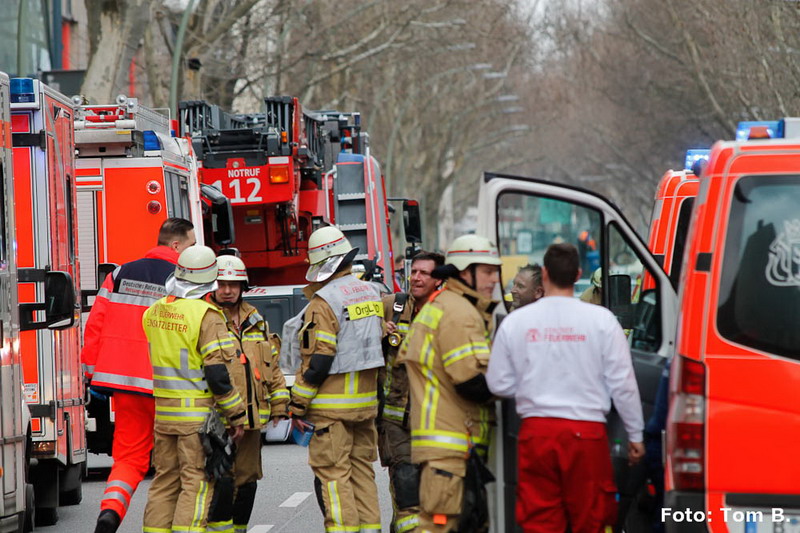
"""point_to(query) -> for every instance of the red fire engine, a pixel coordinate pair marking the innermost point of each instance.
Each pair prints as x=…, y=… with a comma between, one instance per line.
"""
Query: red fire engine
x=132, y=174
x=46, y=231
x=287, y=173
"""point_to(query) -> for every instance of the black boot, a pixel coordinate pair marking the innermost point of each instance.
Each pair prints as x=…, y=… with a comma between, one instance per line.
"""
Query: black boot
x=107, y=522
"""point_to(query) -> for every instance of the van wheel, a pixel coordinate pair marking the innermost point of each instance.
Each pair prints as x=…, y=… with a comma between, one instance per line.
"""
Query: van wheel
x=30, y=509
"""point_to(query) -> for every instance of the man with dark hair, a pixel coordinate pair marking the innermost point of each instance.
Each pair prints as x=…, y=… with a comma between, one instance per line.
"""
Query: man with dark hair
x=394, y=437
x=564, y=361
x=527, y=286
x=116, y=361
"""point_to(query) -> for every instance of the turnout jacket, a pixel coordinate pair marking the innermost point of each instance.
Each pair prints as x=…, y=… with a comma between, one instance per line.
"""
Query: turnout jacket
x=255, y=371
x=345, y=389
x=446, y=355
x=114, y=354
x=192, y=353
x=395, y=383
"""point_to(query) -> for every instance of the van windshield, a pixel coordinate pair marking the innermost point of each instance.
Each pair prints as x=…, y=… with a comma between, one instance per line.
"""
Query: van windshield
x=759, y=297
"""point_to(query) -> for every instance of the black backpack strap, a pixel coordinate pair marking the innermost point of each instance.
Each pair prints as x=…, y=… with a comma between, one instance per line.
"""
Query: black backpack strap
x=400, y=300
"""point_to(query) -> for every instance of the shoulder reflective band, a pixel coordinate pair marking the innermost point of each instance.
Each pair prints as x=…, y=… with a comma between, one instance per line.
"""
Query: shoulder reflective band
x=364, y=310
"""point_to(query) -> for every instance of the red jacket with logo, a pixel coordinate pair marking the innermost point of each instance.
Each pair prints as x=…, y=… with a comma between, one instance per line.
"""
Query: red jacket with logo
x=115, y=355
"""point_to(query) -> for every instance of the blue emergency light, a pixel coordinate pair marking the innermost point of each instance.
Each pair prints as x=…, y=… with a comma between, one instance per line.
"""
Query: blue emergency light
x=693, y=156
x=774, y=129
x=151, y=141
x=22, y=91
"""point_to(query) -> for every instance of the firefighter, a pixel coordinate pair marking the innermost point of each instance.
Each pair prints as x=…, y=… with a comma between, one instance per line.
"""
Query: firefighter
x=446, y=355
x=594, y=293
x=394, y=439
x=116, y=362
x=260, y=382
x=191, y=351
x=336, y=387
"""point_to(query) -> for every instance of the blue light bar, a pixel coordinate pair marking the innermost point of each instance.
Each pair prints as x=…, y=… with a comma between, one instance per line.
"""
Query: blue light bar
x=693, y=156
x=22, y=91
x=151, y=141
x=773, y=129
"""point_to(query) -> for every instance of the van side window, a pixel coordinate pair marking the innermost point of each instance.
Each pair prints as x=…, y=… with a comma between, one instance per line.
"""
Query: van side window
x=684, y=218
x=759, y=292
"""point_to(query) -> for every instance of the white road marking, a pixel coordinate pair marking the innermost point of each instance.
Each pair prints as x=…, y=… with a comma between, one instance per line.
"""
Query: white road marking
x=260, y=529
x=295, y=499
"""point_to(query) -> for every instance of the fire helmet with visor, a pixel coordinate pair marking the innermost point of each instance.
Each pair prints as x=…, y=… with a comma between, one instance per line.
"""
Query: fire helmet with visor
x=328, y=249
x=470, y=250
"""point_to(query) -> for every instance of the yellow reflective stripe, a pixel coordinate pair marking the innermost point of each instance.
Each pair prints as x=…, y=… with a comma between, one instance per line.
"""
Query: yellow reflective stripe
x=345, y=401
x=336, y=504
x=274, y=351
x=324, y=336
x=189, y=529
x=226, y=526
x=254, y=337
x=364, y=310
x=402, y=327
x=449, y=440
x=351, y=382
x=216, y=345
x=465, y=350
x=279, y=394
x=342, y=529
x=370, y=528
x=304, y=392
x=394, y=413
x=406, y=524
x=430, y=398
x=429, y=316
x=231, y=402
x=146, y=529
x=199, y=505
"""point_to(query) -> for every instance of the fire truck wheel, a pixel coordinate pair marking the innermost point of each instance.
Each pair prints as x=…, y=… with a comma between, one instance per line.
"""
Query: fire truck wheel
x=46, y=516
x=71, y=480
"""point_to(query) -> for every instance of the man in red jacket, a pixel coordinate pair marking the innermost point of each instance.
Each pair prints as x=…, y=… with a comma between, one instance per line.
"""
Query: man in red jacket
x=116, y=361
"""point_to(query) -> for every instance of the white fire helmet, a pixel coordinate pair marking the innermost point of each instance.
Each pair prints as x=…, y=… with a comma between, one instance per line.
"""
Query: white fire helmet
x=231, y=268
x=197, y=264
x=472, y=250
x=327, y=247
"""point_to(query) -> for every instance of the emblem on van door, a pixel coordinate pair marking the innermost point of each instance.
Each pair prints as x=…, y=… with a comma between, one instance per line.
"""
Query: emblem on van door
x=783, y=267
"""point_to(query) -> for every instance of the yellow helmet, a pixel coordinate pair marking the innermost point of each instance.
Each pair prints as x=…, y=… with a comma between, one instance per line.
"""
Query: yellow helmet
x=327, y=247
x=472, y=250
x=197, y=264
x=231, y=268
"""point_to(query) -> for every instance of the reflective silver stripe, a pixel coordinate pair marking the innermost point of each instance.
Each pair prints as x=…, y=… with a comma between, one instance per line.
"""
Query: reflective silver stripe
x=88, y=369
x=183, y=384
x=220, y=527
x=168, y=372
x=278, y=394
x=116, y=379
x=347, y=400
x=441, y=439
x=118, y=497
x=406, y=524
x=394, y=413
x=369, y=529
x=103, y=293
x=120, y=484
x=130, y=299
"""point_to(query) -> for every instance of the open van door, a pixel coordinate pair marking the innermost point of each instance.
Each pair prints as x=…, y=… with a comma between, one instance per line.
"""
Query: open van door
x=524, y=216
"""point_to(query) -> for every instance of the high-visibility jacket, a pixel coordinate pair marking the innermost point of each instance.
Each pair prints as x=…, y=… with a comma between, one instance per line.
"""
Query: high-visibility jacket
x=395, y=384
x=448, y=345
x=255, y=372
x=114, y=354
x=350, y=396
x=191, y=351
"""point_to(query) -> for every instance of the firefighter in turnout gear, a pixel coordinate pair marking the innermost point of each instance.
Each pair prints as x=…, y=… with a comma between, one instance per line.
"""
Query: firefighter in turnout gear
x=446, y=355
x=336, y=386
x=116, y=362
x=192, y=353
x=394, y=438
x=257, y=377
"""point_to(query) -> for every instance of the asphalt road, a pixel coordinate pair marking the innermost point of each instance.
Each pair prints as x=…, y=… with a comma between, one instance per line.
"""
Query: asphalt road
x=284, y=503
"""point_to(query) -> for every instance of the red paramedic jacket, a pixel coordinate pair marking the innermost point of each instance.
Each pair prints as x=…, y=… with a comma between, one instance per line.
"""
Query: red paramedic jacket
x=115, y=356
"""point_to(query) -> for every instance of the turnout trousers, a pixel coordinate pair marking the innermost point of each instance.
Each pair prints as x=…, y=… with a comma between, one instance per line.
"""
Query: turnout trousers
x=565, y=477
x=234, y=496
x=133, y=442
x=180, y=494
x=394, y=444
x=341, y=454
x=441, y=494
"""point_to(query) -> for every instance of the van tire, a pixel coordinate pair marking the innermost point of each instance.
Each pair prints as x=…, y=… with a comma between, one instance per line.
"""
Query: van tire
x=29, y=516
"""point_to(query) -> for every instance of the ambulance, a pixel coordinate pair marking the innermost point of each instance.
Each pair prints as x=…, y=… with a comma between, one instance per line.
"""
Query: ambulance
x=132, y=174
x=48, y=281
x=509, y=206
x=17, y=504
x=734, y=416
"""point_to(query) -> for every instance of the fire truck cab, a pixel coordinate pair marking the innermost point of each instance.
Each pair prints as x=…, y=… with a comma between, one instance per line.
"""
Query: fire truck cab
x=508, y=207
x=734, y=419
x=132, y=174
x=47, y=261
